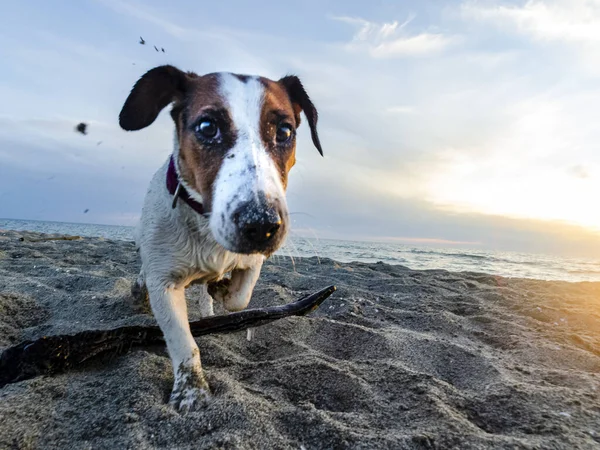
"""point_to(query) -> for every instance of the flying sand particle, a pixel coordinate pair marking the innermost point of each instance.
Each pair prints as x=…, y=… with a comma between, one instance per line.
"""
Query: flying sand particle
x=81, y=128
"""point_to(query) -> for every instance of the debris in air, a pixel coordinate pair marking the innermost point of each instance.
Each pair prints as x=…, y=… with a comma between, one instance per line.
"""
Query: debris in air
x=81, y=128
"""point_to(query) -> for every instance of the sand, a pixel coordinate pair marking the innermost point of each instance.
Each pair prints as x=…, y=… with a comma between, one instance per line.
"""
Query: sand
x=396, y=358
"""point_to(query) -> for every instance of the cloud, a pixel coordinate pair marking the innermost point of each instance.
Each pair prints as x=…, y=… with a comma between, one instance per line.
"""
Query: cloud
x=559, y=20
x=392, y=40
x=51, y=145
x=63, y=190
x=206, y=48
x=579, y=171
x=400, y=109
x=359, y=214
x=142, y=13
x=420, y=44
x=518, y=170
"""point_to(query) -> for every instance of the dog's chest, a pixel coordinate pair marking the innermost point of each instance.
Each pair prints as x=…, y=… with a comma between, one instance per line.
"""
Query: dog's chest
x=212, y=261
x=199, y=256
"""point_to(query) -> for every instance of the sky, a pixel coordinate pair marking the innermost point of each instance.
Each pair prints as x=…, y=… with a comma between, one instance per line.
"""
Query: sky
x=447, y=123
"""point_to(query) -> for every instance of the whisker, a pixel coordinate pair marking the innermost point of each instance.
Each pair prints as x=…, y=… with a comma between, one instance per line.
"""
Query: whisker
x=286, y=252
x=276, y=259
x=302, y=213
x=296, y=251
x=293, y=264
x=312, y=230
x=313, y=248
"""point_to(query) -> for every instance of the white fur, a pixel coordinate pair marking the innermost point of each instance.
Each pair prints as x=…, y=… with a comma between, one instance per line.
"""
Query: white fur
x=247, y=169
x=177, y=247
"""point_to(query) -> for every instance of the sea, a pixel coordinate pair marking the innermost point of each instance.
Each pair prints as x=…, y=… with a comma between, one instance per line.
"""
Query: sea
x=507, y=264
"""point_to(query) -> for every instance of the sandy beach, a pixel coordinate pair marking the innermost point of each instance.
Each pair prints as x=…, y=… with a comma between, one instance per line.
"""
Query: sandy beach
x=396, y=358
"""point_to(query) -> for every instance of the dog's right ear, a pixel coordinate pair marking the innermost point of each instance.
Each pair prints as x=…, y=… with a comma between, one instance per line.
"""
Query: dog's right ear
x=156, y=89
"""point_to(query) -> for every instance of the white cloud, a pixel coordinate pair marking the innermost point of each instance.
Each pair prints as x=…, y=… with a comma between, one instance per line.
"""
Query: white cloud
x=400, y=109
x=371, y=30
x=390, y=40
x=579, y=171
x=142, y=13
x=575, y=21
x=420, y=44
x=526, y=169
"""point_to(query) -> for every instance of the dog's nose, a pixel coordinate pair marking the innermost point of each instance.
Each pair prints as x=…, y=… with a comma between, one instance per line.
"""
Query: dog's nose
x=262, y=230
x=258, y=224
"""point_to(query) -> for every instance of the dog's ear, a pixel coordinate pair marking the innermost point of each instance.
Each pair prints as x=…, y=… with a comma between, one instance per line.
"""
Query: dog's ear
x=301, y=102
x=153, y=91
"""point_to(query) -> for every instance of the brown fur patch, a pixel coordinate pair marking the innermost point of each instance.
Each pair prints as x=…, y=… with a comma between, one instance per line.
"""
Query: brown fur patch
x=277, y=107
x=198, y=164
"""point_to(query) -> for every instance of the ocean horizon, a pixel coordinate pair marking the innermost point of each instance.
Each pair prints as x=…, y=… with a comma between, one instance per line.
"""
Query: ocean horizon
x=419, y=257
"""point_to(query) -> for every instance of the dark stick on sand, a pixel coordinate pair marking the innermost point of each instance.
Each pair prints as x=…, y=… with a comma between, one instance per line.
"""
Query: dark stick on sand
x=52, y=354
x=51, y=238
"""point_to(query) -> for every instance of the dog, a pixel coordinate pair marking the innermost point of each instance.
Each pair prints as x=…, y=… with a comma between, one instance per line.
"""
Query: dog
x=216, y=209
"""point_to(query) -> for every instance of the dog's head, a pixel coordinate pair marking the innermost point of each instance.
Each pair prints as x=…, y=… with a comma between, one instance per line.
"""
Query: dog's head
x=236, y=143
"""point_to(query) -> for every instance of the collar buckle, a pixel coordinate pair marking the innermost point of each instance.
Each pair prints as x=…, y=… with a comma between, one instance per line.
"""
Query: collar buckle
x=176, y=195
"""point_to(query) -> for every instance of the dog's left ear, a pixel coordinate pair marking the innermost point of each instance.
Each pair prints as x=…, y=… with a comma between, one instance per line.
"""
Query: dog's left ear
x=301, y=102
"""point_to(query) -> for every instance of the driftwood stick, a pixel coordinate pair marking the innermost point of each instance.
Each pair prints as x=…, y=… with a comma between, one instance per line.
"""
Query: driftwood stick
x=50, y=238
x=52, y=354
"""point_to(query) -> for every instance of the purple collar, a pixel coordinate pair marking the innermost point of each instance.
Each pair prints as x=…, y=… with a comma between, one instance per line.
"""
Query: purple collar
x=176, y=189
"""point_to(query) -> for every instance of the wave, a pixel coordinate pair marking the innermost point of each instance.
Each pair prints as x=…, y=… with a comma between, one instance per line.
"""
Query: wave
x=489, y=258
x=584, y=272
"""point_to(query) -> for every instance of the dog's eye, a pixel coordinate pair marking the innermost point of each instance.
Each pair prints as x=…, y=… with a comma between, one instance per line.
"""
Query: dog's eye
x=207, y=129
x=284, y=133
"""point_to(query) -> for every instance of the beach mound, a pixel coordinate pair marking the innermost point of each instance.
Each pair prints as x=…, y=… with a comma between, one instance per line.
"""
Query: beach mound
x=396, y=358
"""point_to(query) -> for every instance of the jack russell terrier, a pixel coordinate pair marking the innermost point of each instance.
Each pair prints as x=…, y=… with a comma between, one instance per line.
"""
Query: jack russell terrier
x=217, y=205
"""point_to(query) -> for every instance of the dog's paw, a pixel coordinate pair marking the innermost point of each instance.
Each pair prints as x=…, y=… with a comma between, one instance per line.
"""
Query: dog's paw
x=190, y=391
x=189, y=399
x=219, y=290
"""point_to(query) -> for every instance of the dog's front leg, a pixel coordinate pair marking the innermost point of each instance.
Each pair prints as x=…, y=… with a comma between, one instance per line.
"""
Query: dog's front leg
x=169, y=308
x=235, y=293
